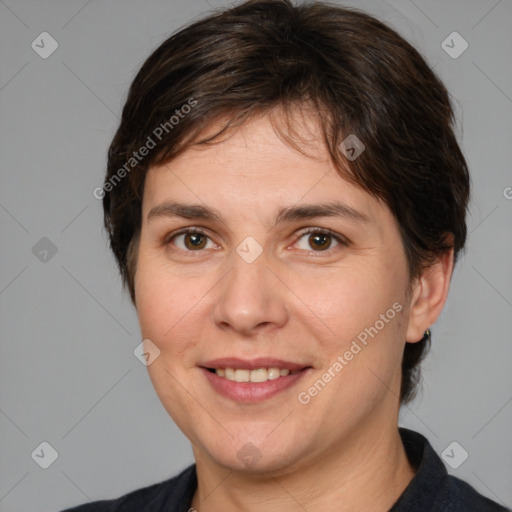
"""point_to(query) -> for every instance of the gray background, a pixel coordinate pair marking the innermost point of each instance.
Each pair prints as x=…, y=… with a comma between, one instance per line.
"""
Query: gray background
x=68, y=375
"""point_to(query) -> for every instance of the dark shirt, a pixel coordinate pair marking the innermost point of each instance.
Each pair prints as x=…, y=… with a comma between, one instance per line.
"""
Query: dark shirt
x=430, y=490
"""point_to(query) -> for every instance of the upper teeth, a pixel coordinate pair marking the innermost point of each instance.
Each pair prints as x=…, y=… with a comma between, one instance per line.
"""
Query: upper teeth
x=258, y=375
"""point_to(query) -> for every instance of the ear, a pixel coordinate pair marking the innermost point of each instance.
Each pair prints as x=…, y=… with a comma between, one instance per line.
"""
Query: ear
x=428, y=296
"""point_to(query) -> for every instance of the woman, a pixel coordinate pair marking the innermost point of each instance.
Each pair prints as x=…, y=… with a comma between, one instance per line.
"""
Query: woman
x=286, y=200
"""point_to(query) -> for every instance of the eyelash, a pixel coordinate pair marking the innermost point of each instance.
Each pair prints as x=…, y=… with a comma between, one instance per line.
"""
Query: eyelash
x=324, y=231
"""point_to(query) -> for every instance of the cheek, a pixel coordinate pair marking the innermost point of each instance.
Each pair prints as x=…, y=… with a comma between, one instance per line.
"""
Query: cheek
x=168, y=316
x=164, y=305
x=348, y=301
x=362, y=350
x=364, y=310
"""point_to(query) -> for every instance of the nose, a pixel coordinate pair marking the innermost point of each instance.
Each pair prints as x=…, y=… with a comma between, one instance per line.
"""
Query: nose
x=250, y=299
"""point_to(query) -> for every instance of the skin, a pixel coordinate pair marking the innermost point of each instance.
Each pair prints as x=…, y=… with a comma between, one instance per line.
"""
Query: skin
x=341, y=451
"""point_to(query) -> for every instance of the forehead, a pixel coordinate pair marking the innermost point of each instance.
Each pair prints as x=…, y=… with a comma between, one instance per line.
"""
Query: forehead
x=255, y=169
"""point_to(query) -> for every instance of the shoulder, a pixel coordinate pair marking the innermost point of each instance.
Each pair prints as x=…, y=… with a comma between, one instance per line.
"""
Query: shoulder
x=176, y=492
x=459, y=496
x=432, y=488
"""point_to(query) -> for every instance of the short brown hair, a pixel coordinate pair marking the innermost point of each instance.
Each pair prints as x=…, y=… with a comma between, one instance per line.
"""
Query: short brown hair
x=361, y=78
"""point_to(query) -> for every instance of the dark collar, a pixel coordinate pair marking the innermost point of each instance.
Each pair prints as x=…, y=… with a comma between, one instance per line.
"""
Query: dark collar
x=430, y=473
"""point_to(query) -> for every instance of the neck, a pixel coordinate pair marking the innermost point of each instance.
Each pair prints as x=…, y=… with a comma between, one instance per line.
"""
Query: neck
x=368, y=472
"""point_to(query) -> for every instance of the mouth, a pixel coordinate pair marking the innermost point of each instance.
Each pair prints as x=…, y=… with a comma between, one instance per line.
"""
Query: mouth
x=252, y=381
x=257, y=375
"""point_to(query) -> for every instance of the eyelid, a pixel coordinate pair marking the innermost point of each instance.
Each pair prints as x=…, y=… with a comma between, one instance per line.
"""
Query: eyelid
x=317, y=229
x=189, y=229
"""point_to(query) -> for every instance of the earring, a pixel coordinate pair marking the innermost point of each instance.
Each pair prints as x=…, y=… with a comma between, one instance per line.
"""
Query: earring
x=426, y=336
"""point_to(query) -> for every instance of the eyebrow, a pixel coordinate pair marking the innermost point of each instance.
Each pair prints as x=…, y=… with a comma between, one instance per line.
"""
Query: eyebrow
x=288, y=214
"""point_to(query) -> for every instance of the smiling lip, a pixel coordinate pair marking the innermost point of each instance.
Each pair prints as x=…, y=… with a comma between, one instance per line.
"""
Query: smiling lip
x=252, y=392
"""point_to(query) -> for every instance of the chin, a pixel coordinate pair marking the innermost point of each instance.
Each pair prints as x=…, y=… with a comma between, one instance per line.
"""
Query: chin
x=256, y=453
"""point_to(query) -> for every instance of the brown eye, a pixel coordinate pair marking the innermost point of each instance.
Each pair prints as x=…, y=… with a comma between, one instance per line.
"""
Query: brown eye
x=194, y=241
x=318, y=240
x=191, y=240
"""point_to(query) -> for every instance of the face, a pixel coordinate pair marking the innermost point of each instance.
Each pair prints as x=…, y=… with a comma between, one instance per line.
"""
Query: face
x=259, y=263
